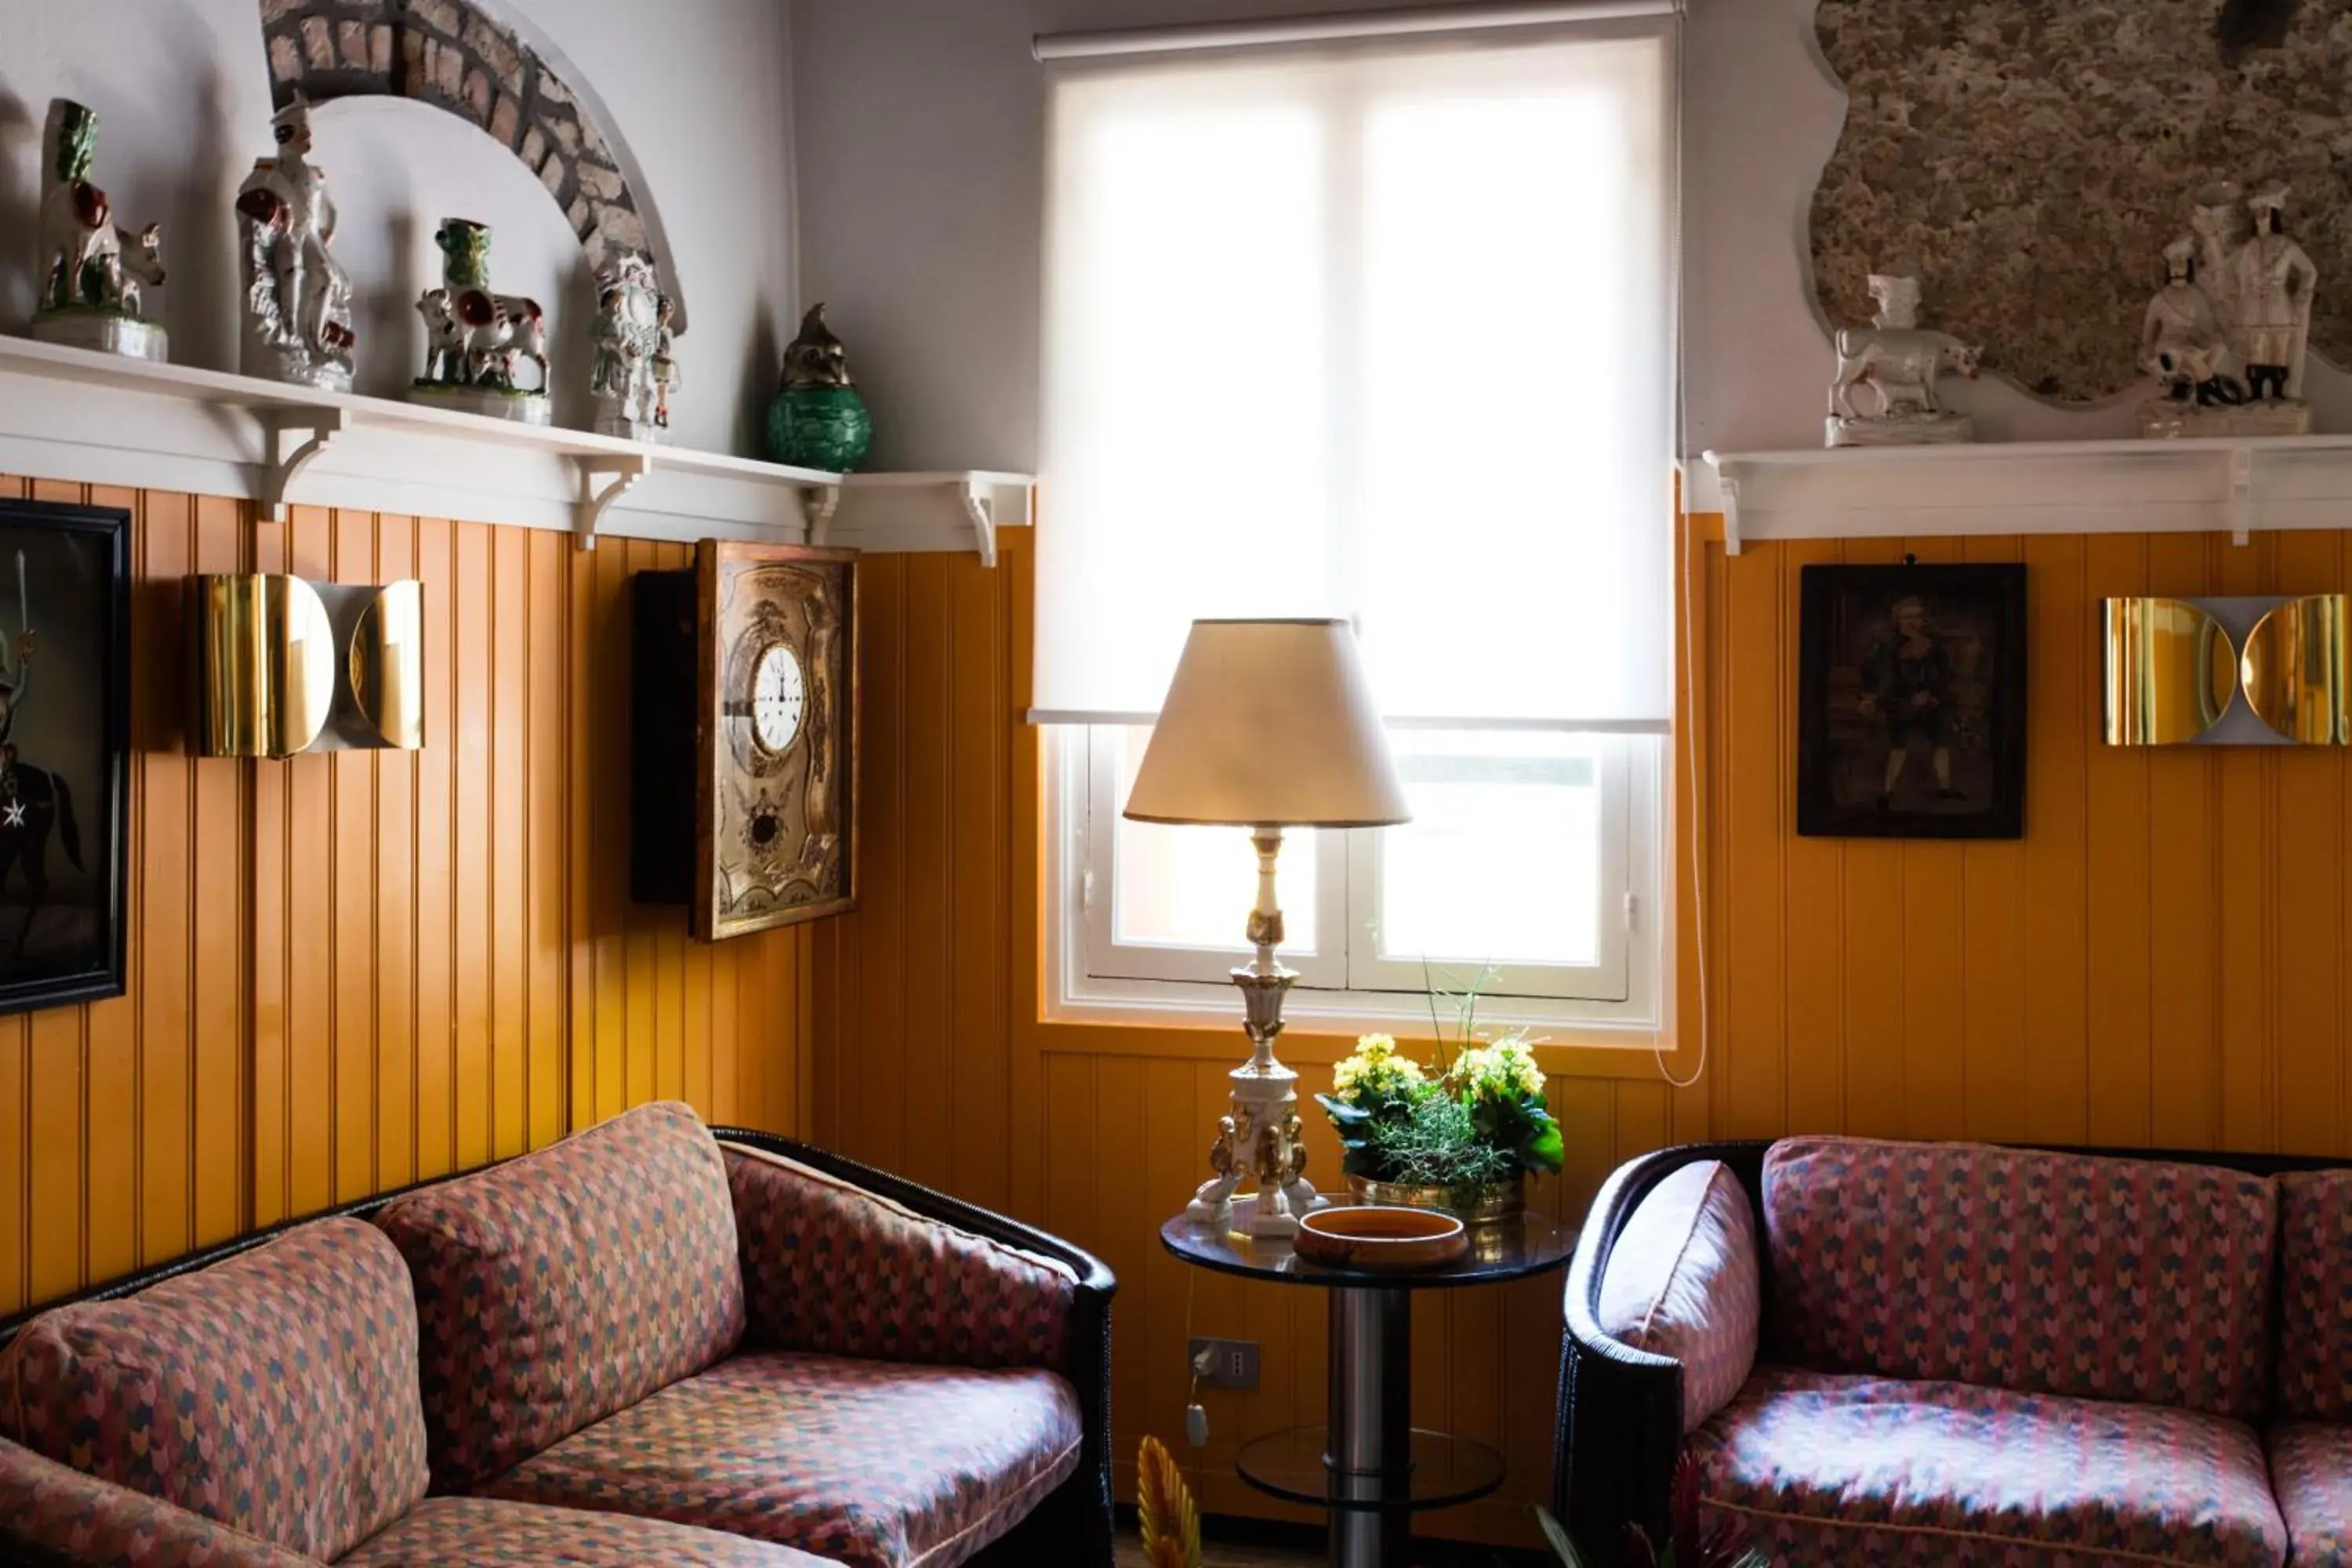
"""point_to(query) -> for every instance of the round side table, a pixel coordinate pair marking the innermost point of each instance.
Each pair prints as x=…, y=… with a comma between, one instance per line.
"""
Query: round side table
x=1370, y=1466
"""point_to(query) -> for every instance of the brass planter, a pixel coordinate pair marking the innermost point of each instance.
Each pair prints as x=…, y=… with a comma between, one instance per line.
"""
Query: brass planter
x=1474, y=1203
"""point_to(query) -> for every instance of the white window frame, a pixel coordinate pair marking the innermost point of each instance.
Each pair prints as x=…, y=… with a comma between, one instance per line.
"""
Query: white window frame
x=1093, y=978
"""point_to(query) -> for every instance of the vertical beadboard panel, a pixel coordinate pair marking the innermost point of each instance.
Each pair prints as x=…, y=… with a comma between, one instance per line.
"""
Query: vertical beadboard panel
x=351, y=971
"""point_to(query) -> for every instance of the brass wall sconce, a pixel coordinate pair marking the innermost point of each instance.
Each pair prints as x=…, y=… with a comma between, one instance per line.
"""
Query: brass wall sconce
x=2229, y=671
x=285, y=665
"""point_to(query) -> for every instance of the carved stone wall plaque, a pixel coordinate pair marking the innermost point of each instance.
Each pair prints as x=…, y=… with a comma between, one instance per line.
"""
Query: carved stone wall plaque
x=2031, y=160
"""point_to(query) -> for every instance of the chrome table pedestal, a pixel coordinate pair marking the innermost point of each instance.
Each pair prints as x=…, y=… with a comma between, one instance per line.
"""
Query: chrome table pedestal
x=1370, y=1468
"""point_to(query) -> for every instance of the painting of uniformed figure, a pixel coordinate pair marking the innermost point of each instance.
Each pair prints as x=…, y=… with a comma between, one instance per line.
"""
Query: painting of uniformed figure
x=1911, y=703
x=63, y=752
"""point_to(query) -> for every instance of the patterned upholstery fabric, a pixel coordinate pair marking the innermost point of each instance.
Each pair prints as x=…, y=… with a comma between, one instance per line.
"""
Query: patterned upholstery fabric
x=2047, y=1273
x=558, y=1287
x=1681, y=1282
x=869, y=1463
x=44, y=1507
x=474, y=1530
x=274, y=1391
x=1828, y=1470
x=2314, y=1354
x=835, y=1270
x=2311, y=1472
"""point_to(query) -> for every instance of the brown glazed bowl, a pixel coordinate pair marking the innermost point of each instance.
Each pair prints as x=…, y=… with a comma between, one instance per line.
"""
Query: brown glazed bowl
x=1399, y=1240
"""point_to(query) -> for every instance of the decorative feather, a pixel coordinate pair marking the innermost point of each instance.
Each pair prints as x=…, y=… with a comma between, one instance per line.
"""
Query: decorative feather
x=1169, y=1519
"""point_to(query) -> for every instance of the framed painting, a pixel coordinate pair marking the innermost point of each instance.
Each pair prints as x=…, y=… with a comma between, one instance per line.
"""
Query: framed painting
x=65, y=726
x=1911, y=703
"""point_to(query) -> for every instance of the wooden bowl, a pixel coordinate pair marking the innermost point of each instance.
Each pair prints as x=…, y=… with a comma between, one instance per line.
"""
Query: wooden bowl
x=1361, y=1237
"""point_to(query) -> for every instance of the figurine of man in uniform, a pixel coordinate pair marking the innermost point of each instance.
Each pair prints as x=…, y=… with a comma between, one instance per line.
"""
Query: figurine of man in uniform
x=2276, y=280
x=2182, y=342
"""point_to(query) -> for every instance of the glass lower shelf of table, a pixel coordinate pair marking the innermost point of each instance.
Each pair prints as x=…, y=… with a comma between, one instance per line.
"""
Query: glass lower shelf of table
x=1446, y=1470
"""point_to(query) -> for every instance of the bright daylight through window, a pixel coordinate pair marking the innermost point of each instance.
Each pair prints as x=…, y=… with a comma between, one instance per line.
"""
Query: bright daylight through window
x=1382, y=332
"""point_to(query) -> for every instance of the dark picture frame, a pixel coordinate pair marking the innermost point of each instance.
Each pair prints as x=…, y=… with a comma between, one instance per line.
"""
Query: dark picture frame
x=1911, y=702
x=65, y=752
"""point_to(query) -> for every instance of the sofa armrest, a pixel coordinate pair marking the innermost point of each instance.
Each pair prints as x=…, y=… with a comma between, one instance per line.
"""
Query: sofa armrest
x=981, y=1289
x=1621, y=1409
x=52, y=1515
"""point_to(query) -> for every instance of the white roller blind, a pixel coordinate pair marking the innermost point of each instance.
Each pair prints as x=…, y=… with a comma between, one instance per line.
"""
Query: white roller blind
x=1382, y=334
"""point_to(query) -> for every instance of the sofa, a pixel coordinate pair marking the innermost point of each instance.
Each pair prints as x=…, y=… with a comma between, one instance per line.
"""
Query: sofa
x=647, y=1344
x=1875, y=1352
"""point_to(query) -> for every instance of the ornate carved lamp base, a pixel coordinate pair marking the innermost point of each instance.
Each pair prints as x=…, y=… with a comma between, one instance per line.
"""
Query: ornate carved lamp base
x=1258, y=1140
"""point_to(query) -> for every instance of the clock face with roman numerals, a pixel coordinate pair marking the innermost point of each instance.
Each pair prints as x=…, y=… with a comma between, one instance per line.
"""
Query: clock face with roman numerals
x=775, y=802
x=779, y=695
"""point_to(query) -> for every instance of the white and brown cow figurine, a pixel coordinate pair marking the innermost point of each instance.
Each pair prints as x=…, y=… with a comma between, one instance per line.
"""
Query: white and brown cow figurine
x=88, y=262
x=1900, y=364
x=474, y=337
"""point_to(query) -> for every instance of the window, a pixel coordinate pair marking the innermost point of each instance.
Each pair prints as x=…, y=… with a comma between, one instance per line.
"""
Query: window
x=1382, y=332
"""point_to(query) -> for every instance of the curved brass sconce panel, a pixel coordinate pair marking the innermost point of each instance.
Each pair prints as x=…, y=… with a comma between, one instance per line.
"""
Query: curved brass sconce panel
x=386, y=664
x=2170, y=672
x=266, y=665
x=2294, y=669
x=286, y=666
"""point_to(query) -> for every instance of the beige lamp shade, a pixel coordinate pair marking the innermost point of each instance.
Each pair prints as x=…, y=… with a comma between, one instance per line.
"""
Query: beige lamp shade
x=1270, y=724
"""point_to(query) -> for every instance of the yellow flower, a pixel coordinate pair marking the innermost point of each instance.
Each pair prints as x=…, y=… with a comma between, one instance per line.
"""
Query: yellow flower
x=1375, y=1069
x=1504, y=1069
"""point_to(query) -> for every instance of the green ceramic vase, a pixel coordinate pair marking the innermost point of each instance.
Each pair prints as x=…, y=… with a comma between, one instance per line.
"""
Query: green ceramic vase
x=819, y=428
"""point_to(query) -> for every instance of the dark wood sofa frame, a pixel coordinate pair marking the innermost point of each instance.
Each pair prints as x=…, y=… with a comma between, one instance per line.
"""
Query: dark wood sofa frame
x=1620, y=1420
x=1073, y=1525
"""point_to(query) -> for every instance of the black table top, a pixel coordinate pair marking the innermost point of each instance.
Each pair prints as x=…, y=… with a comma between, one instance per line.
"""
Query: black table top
x=1532, y=1243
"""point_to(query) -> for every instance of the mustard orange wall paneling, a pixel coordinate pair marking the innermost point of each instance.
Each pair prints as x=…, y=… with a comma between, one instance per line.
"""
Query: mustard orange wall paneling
x=1992, y=949
x=347, y=972
x=2247, y=978
x=2118, y=847
x=2062, y=685
x=1814, y=955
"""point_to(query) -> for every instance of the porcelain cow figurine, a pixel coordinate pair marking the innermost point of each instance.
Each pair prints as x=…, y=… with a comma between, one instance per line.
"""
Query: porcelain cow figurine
x=476, y=340
x=1900, y=361
x=91, y=271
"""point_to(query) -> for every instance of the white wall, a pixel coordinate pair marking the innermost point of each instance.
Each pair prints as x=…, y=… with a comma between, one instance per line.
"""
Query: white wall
x=699, y=90
x=920, y=129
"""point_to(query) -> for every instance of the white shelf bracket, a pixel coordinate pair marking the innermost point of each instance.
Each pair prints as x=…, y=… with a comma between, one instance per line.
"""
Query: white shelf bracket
x=2241, y=494
x=624, y=470
x=980, y=505
x=1728, y=482
x=818, y=506
x=282, y=465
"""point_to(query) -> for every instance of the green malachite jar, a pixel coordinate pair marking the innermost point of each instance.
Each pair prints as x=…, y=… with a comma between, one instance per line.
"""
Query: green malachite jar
x=823, y=427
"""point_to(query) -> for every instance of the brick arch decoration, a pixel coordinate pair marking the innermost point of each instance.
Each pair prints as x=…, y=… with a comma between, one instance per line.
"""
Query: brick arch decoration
x=454, y=55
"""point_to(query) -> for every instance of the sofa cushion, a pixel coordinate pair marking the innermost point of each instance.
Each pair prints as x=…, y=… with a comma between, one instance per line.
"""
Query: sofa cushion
x=2311, y=1473
x=1681, y=1282
x=834, y=1268
x=274, y=1391
x=51, y=1514
x=2106, y=1278
x=558, y=1287
x=2314, y=1353
x=868, y=1463
x=478, y=1531
x=1827, y=1469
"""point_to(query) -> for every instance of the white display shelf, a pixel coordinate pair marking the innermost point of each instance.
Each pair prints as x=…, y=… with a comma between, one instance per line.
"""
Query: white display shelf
x=2188, y=486
x=913, y=511
x=70, y=413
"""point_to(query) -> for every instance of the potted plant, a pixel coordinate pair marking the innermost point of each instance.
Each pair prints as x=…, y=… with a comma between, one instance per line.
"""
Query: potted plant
x=1461, y=1138
x=1690, y=1543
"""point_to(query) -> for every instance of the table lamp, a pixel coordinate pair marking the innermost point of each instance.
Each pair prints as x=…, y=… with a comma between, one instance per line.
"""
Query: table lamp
x=1267, y=725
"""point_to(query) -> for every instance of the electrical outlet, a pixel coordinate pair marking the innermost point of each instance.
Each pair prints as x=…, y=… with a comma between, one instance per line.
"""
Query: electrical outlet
x=1225, y=1363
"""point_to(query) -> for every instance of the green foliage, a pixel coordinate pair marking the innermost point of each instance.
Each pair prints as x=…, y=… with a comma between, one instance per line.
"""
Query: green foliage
x=1437, y=1143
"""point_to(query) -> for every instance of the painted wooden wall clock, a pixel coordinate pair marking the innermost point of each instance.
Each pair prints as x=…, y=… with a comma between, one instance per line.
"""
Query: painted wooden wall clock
x=745, y=737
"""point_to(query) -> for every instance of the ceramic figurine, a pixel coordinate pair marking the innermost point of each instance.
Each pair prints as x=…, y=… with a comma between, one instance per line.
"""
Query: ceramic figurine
x=2182, y=342
x=818, y=420
x=2257, y=285
x=89, y=270
x=475, y=341
x=1899, y=361
x=298, y=297
x=665, y=378
x=628, y=340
